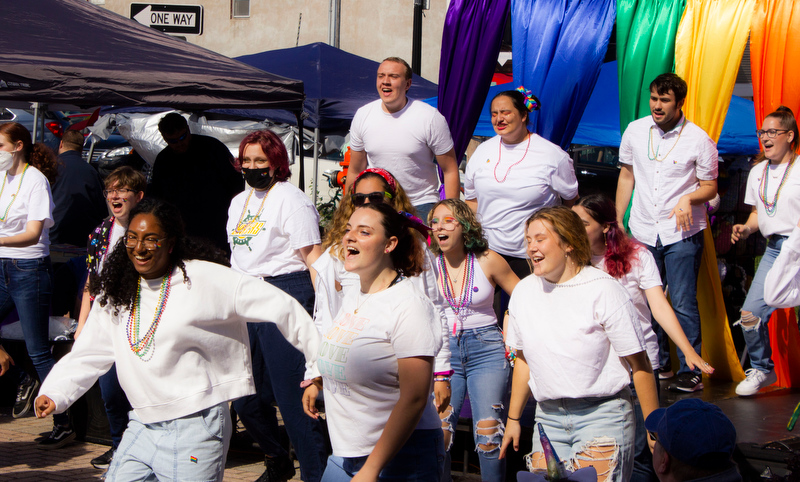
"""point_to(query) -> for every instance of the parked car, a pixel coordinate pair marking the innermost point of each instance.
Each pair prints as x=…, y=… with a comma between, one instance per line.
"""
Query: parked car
x=597, y=168
x=54, y=122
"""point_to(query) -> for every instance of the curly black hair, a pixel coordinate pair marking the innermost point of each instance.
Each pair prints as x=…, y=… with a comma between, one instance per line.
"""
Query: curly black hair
x=119, y=280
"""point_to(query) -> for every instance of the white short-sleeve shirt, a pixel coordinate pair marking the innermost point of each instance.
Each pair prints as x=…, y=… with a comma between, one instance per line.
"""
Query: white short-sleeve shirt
x=404, y=143
x=573, y=334
x=787, y=213
x=267, y=243
x=688, y=157
x=26, y=197
x=540, y=180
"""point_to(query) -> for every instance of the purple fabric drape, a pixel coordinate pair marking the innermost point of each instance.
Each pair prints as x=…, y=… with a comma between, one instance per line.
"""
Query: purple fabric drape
x=473, y=30
x=558, y=49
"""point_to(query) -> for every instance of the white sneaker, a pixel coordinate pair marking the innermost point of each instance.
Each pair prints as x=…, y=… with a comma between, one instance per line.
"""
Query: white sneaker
x=755, y=381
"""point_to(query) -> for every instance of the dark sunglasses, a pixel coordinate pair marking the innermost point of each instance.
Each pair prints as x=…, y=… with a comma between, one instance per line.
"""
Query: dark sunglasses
x=376, y=197
x=653, y=436
x=175, y=140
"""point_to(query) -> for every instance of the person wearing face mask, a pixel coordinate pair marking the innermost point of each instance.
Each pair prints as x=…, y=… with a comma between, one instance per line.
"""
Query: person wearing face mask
x=773, y=191
x=26, y=215
x=273, y=233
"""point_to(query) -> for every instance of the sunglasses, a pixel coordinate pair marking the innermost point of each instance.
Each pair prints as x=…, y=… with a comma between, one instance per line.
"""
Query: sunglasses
x=376, y=197
x=653, y=436
x=175, y=140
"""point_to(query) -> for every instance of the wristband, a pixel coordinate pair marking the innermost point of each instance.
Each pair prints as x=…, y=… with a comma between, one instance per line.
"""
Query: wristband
x=513, y=419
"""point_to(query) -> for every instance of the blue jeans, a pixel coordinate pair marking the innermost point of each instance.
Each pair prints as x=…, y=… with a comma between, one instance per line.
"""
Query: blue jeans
x=576, y=424
x=116, y=403
x=27, y=285
x=480, y=368
x=420, y=459
x=278, y=369
x=757, y=337
x=679, y=264
x=193, y=447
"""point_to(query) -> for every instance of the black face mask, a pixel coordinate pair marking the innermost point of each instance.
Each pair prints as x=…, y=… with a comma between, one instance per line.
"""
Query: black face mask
x=257, y=178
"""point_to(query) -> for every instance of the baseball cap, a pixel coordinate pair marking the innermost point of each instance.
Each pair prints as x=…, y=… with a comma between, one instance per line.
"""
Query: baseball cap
x=695, y=432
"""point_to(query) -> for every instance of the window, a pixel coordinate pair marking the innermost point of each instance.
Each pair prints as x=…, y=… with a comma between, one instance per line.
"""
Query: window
x=240, y=8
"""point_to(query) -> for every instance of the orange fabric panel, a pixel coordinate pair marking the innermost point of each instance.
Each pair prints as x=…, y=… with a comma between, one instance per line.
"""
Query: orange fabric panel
x=784, y=338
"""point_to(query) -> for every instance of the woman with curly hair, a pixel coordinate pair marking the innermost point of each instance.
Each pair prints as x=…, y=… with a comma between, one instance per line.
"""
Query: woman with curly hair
x=26, y=215
x=179, y=375
x=273, y=233
x=468, y=272
x=632, y=265
x=376, y=360
x=375, y=186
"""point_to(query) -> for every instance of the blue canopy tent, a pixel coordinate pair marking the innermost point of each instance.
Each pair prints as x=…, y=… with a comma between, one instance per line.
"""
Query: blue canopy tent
x=599, y=125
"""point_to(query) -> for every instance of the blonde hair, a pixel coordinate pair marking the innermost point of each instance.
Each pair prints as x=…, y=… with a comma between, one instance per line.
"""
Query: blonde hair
x=567, y=225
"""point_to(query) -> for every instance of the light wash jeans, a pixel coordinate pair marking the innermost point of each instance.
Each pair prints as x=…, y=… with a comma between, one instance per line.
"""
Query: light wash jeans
x=573, y=425
x=193, y=448
x=757, y=337
x=478, y=360
x=420, y=460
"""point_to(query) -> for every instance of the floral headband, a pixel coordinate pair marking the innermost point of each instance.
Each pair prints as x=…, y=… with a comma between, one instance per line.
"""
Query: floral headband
x=386, y=175
x=531, y=102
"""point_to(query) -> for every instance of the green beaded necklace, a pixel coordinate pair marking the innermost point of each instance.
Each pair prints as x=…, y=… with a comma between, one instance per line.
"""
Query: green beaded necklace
x=13, y=196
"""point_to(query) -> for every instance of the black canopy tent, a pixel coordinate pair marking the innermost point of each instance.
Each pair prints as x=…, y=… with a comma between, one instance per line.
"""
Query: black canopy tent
x=73, y=53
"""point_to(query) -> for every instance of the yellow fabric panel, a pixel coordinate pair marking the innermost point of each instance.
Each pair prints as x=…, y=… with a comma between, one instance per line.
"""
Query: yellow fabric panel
x=708, y=48
x=774, y=53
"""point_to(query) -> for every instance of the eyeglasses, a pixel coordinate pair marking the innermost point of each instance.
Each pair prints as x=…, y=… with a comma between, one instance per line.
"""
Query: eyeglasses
x=771, y=133
x=118, y=192
x=448, y=223
x=376, y=197
x=175, y=140
x=150, y=243
x=653, y=436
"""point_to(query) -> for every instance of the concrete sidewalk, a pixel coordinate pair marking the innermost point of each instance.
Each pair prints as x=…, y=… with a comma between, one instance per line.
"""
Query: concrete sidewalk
x=21, y=460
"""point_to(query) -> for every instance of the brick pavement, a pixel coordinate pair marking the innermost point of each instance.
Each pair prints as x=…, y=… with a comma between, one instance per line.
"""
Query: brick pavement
x=21, y=461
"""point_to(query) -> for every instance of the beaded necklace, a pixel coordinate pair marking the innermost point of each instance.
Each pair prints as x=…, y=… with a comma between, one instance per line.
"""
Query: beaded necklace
x=144, y=346
x=467, y=282
x=771, y=208
x=13, y=196
x=499, y=158
x=653, y=155
x=243, y=226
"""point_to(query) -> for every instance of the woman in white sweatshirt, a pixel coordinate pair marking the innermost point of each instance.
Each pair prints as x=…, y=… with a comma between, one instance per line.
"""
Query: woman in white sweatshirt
x=175, y=325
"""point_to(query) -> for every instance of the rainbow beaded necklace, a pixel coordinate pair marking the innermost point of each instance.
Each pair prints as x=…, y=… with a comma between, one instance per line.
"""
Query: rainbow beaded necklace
x=144, y=346
x=771, y=208
x=467, y=282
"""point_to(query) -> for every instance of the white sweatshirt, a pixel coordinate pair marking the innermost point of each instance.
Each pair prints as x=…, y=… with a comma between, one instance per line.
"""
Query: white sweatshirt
x=782, y=286
x=201, y=354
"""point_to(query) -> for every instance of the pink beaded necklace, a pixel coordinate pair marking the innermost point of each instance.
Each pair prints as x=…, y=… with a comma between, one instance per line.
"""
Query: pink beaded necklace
x=144, y=346
x=467, y=283
x=499, y=158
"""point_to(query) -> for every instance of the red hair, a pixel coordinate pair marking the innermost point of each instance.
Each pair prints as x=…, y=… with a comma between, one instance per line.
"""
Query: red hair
x=620, y=249
x=273, y=148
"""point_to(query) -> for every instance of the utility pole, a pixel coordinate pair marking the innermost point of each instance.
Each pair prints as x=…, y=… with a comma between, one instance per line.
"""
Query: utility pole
x=334, y=19
x=416, y=45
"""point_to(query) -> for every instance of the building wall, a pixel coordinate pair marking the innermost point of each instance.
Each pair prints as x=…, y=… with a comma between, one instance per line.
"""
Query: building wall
x=374, y=29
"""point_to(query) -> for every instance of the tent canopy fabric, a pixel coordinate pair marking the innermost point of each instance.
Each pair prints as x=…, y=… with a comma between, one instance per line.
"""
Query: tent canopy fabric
x=599, y=124
x=336, y=82
x=70, y=52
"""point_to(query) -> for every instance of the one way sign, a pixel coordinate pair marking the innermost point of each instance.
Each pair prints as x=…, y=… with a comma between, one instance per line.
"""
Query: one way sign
x=183, y=19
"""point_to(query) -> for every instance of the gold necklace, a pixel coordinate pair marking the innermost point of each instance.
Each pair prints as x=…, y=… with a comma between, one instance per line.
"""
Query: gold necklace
x=242, y=226
x=653, y=155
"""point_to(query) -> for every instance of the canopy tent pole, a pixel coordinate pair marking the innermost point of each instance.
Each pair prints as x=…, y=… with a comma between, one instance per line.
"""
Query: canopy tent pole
x=316, y=165
x=35, y=120
x=301, y=174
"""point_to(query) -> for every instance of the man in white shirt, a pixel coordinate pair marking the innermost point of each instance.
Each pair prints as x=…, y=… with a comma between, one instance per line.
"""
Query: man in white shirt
x=404, y=137
x=673, y=164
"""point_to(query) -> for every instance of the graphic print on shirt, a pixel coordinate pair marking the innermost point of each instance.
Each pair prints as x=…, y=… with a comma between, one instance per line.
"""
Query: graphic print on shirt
x=334, y=349
x=246, y=230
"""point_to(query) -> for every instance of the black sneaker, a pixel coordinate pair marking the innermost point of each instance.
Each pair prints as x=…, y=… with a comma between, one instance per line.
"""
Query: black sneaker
x=59, y=437
x=26, y=394
x=103, y=461
x=686, y=382
x=279, y=469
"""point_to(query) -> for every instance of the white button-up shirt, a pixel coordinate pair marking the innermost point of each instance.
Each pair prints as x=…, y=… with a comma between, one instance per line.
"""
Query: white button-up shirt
x=684, y=159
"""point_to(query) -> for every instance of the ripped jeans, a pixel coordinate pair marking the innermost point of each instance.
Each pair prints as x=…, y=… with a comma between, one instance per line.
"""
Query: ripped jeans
x=479, y=368
x=600, y=425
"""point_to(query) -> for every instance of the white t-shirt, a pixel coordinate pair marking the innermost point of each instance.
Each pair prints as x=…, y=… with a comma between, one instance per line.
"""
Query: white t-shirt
x=268, y=245
x=782, y=285
x=404, y=143
x=688, y=157
x=201, y=354
x=573, y=334
x=642, y=276
x=544, y=177
x=358, y=361
x=788, y=208
x=34, y=202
